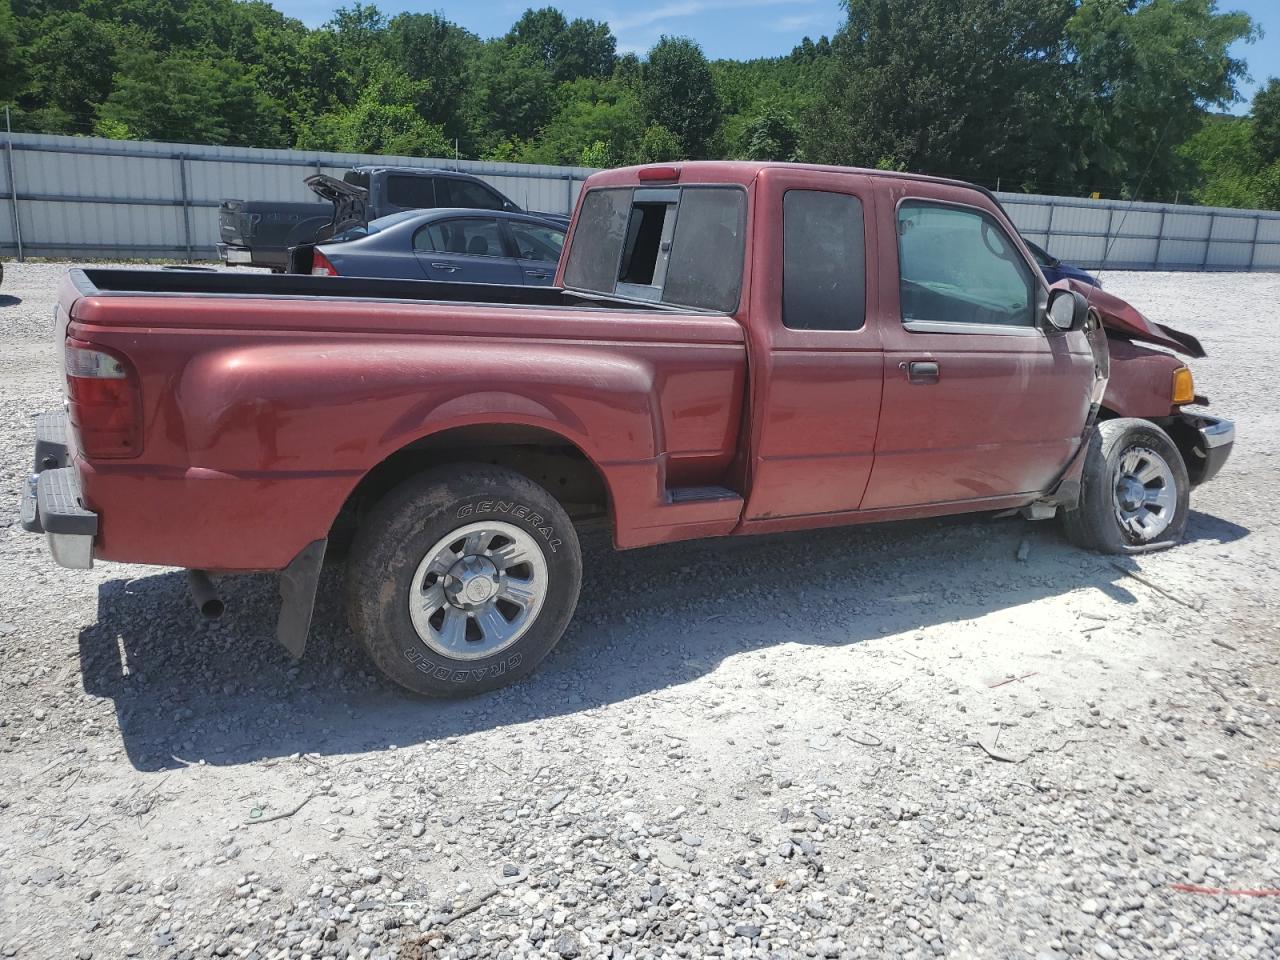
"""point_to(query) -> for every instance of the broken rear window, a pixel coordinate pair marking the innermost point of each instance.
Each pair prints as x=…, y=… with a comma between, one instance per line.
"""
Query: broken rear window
x=678, y=245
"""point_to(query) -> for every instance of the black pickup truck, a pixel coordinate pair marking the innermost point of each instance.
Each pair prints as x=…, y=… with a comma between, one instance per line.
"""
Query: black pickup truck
x=259, y=233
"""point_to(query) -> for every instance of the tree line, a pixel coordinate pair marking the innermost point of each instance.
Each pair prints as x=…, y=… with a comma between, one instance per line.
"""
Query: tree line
x=1119, y=97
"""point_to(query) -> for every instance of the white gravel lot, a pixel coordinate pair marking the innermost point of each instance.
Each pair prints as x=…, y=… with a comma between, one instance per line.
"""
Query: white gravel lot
x=751, y=748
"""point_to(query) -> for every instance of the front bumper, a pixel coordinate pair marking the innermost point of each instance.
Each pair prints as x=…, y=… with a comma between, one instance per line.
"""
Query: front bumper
x=1214, y=438
x=52, y=502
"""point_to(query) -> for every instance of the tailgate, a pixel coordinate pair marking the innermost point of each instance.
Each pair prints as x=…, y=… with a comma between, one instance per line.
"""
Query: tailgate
x=235, y=223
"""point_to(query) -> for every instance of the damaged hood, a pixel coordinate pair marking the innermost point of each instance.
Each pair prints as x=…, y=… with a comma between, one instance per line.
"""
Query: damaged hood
x=1125, y=320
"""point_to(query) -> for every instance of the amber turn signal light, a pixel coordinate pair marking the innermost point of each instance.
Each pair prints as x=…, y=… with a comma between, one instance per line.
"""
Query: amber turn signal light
x=1184, y=388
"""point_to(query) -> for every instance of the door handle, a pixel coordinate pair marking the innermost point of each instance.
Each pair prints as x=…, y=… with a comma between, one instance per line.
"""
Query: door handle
x=446, y=267
x=537, y=274
x=920, y=371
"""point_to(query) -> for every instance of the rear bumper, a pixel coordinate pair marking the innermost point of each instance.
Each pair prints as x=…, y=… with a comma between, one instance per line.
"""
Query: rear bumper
x=52, y=501
x=233, y=255
x=1214, y=439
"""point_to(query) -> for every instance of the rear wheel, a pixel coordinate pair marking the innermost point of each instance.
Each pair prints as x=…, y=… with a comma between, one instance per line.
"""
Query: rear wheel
x=1134, y=491
x=462, y=579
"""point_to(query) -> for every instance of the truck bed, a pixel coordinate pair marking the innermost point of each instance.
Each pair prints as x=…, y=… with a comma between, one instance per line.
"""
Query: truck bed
x=121, y=282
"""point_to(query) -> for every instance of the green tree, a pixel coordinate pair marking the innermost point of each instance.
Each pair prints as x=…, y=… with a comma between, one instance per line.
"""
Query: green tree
x=678, y=93
x=71, y=64
x=187, y=96
x=772, y=135
x=384, y=120
x=434, y=52
x=588, y=112
x=1226, y=163
x=960, y=87
x=509, y=95
x=10, y=60
x=569, y=50
x=1143, y=74
x=658, y=144
x=1266, y=121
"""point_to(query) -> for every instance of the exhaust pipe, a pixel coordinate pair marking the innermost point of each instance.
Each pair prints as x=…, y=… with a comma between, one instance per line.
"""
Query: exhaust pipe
x=203, y=593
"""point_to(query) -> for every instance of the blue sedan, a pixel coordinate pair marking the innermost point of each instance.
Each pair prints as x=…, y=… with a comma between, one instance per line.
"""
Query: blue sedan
x=1055, y=270
x=455, y=245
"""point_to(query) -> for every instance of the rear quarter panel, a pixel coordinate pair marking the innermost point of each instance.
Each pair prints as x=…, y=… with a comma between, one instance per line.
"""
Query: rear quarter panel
x=254, y=436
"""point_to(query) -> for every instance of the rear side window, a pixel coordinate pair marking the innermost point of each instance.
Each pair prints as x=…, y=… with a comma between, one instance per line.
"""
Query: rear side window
x=412, y=193
x=451, y=192
x=958, y=265
x=472, y=236
x=706, y=254
x=824, y=276
x=678, y=245
x=597, y=241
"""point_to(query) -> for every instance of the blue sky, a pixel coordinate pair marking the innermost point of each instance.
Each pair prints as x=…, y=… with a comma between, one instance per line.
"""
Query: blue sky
x=732, y=28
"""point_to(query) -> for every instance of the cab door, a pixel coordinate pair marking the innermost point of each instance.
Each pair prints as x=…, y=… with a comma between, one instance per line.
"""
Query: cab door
x=470, y=249
x=816, y=354
x=982, y=400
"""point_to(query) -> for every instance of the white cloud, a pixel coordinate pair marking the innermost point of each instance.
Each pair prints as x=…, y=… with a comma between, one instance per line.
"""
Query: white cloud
x=659, y=16
x=801, y=21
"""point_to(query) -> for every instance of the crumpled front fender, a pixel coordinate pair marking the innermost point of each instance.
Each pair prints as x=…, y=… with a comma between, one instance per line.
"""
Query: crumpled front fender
x=1124, y=318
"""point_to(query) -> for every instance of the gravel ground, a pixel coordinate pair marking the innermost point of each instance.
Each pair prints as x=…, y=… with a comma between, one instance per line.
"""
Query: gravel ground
x=955, y=739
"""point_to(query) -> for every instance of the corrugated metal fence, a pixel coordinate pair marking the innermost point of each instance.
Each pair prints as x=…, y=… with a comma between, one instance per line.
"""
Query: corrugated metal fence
x=86, y=198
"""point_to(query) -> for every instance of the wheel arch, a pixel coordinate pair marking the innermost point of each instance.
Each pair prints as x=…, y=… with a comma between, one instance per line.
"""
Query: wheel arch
x=546, y=456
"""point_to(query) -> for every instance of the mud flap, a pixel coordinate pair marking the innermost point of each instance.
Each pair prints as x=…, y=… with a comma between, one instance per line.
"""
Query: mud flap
x=298, y=583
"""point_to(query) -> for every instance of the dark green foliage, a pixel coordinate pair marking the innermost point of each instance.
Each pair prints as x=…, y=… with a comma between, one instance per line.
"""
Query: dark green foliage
x=1266, y=121
x=11, y=73
x=569, y=50
x=1054, y=96
x=965, y=88
x=677, y=92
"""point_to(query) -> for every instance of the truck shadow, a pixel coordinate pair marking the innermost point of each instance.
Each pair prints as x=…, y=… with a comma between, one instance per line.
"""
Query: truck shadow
x=225, y=693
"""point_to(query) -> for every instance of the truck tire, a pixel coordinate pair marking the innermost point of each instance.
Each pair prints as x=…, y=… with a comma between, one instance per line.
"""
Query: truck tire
x=1134, y=492
x=462, y=579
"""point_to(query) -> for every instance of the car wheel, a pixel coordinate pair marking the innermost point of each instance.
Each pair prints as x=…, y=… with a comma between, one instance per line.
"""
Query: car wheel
x=1134, y=491
x=462, y=579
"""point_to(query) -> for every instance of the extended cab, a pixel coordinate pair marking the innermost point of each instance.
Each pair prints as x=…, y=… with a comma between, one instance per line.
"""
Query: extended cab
x=260, y=233
x=731, y=348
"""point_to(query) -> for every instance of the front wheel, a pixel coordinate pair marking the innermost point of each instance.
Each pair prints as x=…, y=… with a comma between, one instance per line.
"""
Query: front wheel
x=463, y=579
x=1134, y=491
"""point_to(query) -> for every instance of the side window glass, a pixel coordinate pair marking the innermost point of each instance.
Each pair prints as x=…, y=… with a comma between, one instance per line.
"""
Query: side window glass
x=534, y=242
x=597, y=240
x=824, y=284
x=470, y=236
x=411, y=193
x=959, y=266
x=464, y=193
x=424, y=241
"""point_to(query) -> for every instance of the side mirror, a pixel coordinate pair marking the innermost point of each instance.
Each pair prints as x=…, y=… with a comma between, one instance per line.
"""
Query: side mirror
x=1067, y=311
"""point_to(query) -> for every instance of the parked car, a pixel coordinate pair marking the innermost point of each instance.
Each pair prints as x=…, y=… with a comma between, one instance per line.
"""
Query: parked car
x=259, y=233
x=464, y=246
x=730, y=349
x=1055, y=270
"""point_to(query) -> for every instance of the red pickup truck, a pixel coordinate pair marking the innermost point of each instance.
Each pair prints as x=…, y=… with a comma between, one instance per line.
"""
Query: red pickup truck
x=730, y=348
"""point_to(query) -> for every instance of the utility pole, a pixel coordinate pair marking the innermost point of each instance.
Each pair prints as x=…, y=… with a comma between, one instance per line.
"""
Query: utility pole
x=13, y=184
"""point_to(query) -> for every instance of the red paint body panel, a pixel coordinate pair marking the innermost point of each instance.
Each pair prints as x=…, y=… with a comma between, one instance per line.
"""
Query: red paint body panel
x=1007, y=411
x=1141, y=383
x=262, y=414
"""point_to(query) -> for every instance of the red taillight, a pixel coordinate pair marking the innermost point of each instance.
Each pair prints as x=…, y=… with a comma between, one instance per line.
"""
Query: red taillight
x=659, y=173
x=103, y=401
x=321, y=266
